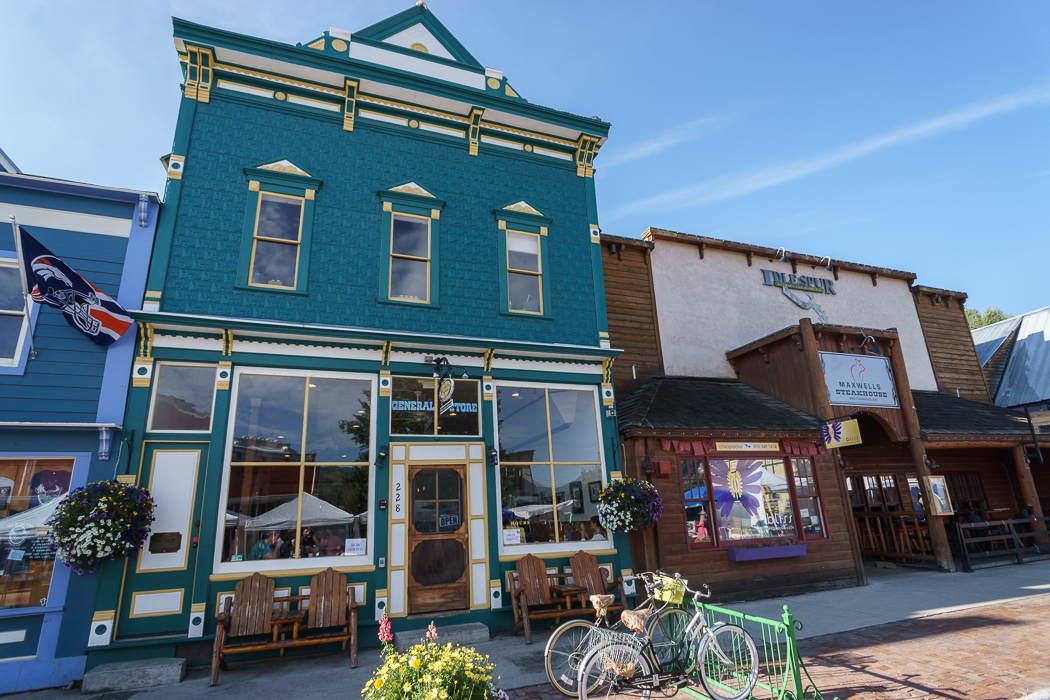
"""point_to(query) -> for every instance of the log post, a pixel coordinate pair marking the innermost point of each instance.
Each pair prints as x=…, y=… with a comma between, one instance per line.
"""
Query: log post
x=822, y=409
x=1031, y=497
x=942, y=553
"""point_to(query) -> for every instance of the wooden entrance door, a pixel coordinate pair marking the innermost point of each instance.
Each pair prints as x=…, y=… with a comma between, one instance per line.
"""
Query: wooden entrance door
x=437, y=540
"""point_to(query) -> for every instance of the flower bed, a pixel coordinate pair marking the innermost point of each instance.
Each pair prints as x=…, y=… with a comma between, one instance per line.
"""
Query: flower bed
x=628, y=505
x=103, y=520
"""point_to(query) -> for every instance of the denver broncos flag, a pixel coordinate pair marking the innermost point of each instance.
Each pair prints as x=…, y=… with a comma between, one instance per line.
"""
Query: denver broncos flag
x=87, y=308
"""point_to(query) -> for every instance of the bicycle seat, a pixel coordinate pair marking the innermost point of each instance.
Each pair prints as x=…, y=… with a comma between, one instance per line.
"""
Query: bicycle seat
x=636, y=619
x=602, y=601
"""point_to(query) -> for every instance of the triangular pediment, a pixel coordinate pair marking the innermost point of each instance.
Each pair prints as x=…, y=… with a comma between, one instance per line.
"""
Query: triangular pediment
x=523, y=207
x=418, y=29
x=284, y=166
x=411, y=188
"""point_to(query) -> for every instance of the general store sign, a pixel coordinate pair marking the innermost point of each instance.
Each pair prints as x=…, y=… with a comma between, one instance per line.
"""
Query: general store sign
x=859, y=380
x=841, y=434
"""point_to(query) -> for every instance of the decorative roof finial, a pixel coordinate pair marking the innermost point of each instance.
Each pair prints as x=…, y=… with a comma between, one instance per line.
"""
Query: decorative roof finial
x=420, y=2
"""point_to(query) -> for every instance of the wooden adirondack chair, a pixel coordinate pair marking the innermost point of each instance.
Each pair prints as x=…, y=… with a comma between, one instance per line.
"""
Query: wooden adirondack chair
x=249, y=613
x=587, y=573
x=534, y=598
x=332, y=605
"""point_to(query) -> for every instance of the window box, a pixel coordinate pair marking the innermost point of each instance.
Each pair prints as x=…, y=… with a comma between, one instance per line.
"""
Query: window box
x=756, y=553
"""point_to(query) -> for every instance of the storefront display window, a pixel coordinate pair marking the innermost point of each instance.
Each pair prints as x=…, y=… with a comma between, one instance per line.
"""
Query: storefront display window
x=30, y=491
x=183, y=397
x=299, y=468
x=746, y=499
x=549, y=463
x=416, y=410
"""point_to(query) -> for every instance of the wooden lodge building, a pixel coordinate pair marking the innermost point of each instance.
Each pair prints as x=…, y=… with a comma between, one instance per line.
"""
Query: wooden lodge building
x=740, y=361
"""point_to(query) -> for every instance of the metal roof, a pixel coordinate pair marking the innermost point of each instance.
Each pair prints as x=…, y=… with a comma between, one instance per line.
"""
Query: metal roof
x=1026, y=378
x=988, y=339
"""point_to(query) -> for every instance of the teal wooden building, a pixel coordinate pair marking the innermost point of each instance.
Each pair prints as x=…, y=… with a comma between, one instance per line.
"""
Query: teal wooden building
x=348, y=224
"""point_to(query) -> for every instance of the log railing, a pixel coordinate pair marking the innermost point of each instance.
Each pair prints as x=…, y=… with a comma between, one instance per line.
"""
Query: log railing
x=894, y=535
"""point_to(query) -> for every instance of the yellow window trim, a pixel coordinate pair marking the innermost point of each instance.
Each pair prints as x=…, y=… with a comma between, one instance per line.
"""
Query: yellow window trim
x=393, y=255
x=297, y=242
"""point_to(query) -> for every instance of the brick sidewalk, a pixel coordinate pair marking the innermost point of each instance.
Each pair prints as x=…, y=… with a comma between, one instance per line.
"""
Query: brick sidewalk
x=994, y=652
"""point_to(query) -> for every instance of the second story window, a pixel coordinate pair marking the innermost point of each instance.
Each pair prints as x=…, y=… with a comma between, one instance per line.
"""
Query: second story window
x=275, y=248
x=12, y=312
x=524, y=273
x=278, y=229
x=410, y=258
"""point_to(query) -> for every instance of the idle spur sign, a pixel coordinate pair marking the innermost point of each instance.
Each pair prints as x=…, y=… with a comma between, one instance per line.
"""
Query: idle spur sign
x=859, y=380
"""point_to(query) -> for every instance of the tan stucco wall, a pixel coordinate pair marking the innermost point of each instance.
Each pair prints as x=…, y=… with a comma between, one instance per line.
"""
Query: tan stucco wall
x=709, y=306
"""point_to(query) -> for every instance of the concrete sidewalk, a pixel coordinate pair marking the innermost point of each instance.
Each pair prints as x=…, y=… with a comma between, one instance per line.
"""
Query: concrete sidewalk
x=891, y=595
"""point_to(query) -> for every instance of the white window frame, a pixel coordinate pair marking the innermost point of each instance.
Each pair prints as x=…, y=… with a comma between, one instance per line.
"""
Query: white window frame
x=153, y=396
x=26, y=314
x=278, y=565
x=550, y=547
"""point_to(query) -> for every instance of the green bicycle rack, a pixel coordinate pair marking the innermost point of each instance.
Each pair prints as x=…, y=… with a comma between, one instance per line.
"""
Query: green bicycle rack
x=781, y=669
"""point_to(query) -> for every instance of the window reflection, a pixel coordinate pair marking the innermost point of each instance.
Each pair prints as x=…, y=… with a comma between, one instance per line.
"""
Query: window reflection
x=752, y=499
x=268, y=515
x=183, y=399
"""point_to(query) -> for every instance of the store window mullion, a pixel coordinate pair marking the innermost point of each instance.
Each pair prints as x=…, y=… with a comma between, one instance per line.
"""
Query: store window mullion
x=550, y=456
x=302, y=472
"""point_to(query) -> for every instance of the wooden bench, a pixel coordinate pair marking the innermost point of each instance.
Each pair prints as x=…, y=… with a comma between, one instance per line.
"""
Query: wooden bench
x=533, y=596
x=329, y=611
x=587, y=574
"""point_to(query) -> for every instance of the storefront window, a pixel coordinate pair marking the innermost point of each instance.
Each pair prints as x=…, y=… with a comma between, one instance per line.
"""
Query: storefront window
x=550, y=465
x=728, y=500
x=416, y=410
x=298, y=481
x=30, y=491
x=183, y=397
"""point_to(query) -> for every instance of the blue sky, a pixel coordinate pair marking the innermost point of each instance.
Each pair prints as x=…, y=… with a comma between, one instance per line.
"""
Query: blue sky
x=907, y=135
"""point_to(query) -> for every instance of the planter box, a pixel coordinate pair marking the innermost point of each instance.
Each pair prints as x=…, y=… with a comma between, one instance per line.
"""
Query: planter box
x=756, y=553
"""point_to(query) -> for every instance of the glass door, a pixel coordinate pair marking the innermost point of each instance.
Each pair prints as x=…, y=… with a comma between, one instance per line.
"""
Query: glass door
x=437, y=540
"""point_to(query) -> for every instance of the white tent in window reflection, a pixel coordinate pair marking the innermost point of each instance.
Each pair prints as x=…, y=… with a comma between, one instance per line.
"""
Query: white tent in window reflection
x=528, y=512
x=316, y=513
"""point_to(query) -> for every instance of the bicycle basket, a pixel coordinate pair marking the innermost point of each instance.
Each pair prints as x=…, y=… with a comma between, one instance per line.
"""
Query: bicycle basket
x=671, y=590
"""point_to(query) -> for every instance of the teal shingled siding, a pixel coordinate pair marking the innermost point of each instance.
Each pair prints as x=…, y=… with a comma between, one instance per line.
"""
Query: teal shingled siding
x=63, y=383
x=344, y=284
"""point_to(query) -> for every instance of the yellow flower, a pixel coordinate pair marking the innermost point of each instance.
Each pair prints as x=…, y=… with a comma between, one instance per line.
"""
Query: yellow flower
x=379, y=682
x=407, y=687
x=416, y=663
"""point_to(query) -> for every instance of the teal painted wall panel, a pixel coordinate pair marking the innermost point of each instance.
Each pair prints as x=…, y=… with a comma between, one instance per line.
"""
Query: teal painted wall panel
x=344, y=273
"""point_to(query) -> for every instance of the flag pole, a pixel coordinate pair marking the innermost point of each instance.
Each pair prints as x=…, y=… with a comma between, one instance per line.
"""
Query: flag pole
x=25, y=285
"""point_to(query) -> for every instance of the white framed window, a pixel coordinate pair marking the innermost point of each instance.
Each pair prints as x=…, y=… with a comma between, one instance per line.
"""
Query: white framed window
x=183, y=398
x=298, y=471
x=551, y=467
x=14, y=323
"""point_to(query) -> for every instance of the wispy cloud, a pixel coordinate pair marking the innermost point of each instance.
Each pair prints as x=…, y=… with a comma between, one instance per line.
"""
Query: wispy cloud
x=730, y=186
x=662, y=141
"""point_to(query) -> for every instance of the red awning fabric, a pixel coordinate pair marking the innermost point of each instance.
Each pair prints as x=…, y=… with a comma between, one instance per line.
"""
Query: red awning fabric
x=803, y=448
x=665, y=443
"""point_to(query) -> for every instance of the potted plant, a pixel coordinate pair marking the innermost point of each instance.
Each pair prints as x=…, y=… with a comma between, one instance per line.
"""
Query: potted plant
x=628, y=505
x=103, y=520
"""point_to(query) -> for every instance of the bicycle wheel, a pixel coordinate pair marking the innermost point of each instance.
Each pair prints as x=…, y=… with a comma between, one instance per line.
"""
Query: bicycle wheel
x=613, y=669
x=728, y=663
x=565, y=649
x=666, y=630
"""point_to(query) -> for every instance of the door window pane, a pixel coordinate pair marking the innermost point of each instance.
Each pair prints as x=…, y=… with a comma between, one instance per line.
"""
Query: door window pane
x=437, y=501
x=269, y=422
x=183, y=398
x=338, y=420
x=279, y=217
x=30, y=491
x=574, y=427
x=274, y=264
x=523, y=292
x=411, y=237
x=752, y=499
x=522, y=414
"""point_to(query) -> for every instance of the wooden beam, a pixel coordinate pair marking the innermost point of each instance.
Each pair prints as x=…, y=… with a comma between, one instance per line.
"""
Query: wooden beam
x=874, y=279
x=701, y=247
x=750, y=255
x=1031, y=496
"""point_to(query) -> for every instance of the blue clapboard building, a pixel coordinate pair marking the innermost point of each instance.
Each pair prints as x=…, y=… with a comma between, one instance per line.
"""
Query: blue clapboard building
x=61, y=411
x=348, y=223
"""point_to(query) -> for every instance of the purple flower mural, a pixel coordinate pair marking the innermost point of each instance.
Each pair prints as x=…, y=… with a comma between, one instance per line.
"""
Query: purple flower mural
x=736, y=481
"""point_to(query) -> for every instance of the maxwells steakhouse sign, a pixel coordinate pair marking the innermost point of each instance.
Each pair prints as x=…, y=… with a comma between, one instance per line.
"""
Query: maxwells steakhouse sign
x=859, y=380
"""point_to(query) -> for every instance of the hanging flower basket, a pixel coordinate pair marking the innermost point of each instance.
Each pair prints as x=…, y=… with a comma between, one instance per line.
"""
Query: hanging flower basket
x=629, y=505
x=103, y=520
